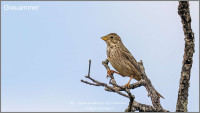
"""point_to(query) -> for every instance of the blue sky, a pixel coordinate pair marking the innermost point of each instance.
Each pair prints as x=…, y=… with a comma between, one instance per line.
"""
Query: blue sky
x=45, y=53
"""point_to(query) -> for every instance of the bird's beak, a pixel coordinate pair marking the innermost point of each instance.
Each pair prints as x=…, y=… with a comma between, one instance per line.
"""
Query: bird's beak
x=104, y=38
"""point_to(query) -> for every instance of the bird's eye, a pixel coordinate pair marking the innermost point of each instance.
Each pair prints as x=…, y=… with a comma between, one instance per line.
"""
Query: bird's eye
x=111, y=37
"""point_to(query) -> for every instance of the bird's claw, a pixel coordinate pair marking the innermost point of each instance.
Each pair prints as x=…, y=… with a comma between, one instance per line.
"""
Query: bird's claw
x=128, y=82
x=127, y=85
x=109, y=72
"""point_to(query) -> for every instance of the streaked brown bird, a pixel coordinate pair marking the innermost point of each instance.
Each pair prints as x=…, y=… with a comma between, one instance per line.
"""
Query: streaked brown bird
x=121, y=59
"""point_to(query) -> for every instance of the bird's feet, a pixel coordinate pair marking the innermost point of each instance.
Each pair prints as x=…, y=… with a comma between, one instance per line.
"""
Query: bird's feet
x=127, y=85
x=109, y=72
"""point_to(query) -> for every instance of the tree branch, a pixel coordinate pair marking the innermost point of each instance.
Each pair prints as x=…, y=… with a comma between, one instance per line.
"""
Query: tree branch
x=155, y=97
x=133, y=105
x=104, y=85
x=184, y=12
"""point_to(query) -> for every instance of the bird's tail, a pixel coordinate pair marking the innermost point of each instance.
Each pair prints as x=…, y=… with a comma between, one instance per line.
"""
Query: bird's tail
x=138, y=78
x=160, y=95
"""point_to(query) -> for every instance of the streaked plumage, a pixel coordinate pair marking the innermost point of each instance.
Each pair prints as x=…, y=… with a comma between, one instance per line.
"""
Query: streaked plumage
x=120, y=57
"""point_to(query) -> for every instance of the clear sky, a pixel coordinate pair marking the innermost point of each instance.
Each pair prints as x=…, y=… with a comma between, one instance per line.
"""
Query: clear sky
x=45, y=53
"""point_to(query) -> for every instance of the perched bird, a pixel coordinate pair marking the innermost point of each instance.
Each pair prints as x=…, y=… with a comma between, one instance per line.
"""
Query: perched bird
x=121, y=59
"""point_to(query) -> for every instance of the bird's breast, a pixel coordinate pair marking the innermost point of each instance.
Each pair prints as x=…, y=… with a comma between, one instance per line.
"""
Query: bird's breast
x=116, y=60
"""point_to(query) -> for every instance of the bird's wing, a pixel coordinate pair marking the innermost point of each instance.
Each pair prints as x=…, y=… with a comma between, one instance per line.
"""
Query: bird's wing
x=131, y=59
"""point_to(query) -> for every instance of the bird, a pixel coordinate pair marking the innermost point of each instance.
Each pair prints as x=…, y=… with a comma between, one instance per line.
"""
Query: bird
x=121, y=59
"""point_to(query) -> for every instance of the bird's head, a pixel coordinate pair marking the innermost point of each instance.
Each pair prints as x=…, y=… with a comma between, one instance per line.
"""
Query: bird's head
x=112, y=39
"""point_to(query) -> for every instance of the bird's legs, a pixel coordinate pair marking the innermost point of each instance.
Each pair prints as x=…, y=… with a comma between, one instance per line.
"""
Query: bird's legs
x=129, y=82
x=109, y=72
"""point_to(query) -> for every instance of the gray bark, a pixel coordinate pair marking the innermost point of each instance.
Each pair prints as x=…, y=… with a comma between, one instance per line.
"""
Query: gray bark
x=182, y=101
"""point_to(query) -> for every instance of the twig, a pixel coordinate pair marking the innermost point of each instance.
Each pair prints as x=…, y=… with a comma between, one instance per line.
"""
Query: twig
x=90, y=83
x=89, y=68
x=105, y=85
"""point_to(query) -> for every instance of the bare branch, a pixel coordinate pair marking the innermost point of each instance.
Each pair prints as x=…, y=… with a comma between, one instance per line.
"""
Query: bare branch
x=132, y=86
x=133, y=105
x=184, y=12
x=90, y=83
x=105, y=85
x=89, y=67
x=144, y=108
x=138, y=84
x=132, y=97
x=155, y=96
